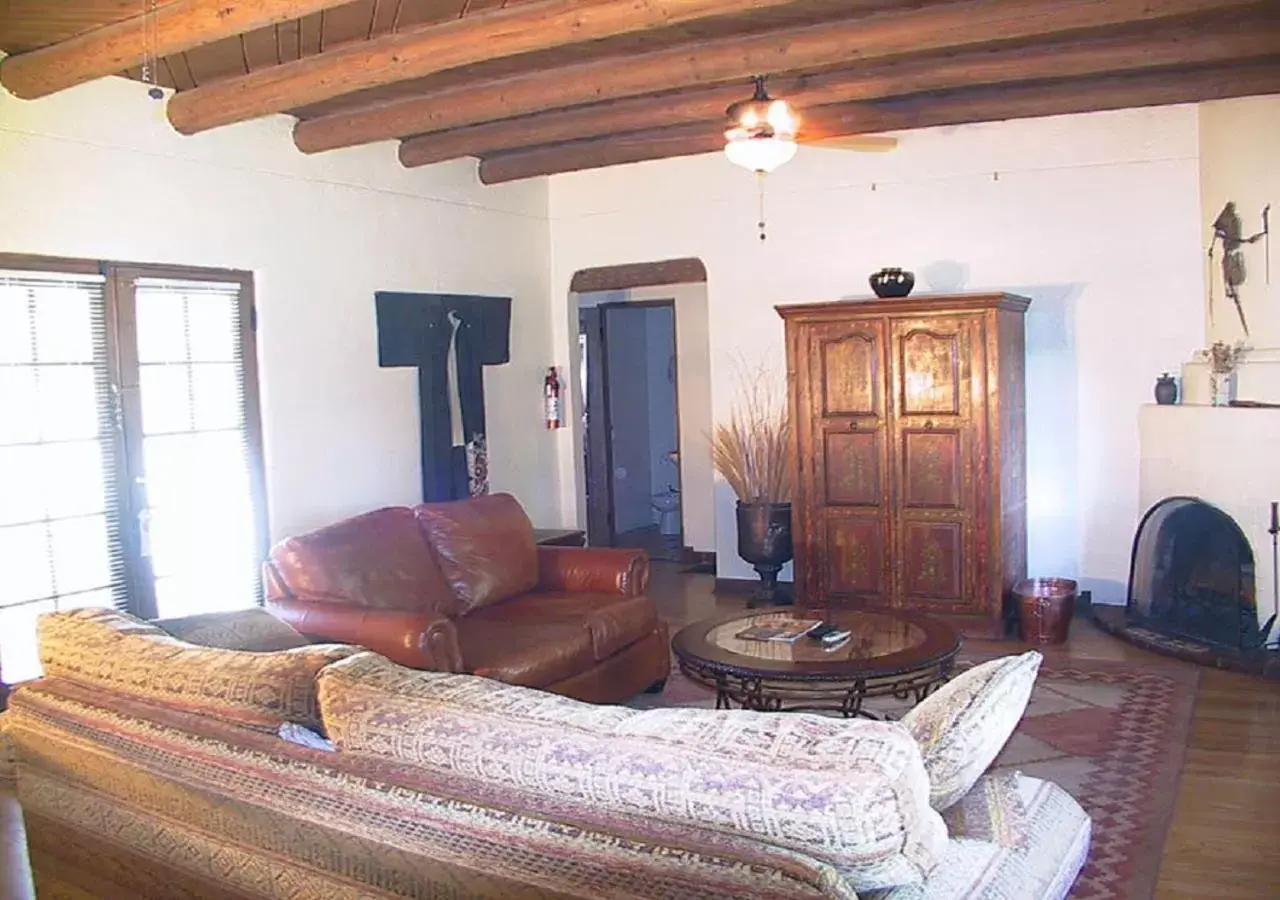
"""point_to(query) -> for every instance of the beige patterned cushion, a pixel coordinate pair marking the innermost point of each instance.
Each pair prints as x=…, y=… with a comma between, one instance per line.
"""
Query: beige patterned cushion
x=245, y=629
x=991, y=811
x=852, y=794
x=8, y=756
x=105, y=649
x=1053, y=835
x=963, y=726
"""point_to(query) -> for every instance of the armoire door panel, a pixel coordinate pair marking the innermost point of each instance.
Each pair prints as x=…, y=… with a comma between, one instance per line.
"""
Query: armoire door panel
x=933, y=558
x=931, y=367
x=851, y=463
x=853, y=557
x=932, y=468
x=850, y=370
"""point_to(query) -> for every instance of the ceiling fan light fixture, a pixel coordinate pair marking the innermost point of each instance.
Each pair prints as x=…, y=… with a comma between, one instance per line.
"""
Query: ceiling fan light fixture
x=760, y=154
x=762, y=131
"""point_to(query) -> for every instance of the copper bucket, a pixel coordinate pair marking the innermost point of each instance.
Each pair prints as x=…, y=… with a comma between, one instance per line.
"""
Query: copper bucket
x=1045, y=608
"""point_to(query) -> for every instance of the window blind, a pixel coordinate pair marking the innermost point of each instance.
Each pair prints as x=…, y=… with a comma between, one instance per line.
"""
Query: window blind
x=60, y=516
x=199, y=522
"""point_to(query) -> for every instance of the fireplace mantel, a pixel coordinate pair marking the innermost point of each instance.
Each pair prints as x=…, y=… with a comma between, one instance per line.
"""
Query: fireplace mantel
x=1226, y=456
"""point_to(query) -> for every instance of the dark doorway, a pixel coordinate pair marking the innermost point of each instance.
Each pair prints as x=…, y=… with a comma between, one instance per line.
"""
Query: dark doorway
x=631, y=425
x=1193, y=576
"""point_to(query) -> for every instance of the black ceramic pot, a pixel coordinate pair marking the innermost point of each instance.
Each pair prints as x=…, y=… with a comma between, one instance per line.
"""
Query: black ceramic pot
x=764, y=540
x=1166, y=390
x=892, y=282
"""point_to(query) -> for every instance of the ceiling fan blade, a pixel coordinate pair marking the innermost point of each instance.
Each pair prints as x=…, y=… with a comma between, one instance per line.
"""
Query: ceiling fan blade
x=863, y=143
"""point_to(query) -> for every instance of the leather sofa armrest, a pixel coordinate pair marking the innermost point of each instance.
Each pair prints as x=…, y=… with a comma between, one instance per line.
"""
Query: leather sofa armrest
x=419, y=640
x=594, y=570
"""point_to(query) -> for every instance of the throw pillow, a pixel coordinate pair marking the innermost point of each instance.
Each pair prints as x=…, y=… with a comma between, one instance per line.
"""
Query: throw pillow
x=113, y=651
x=991, y=811
x=245, y=629
x=485, y=546
x=962, y=727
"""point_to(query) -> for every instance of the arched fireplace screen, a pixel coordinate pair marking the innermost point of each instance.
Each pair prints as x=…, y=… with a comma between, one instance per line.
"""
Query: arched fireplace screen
x=1192, y=575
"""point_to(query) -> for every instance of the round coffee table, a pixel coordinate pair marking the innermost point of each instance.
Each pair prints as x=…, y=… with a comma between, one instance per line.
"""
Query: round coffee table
x=897, y=654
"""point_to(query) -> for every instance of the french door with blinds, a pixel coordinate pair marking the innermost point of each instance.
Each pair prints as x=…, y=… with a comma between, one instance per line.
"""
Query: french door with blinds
x=130, y=449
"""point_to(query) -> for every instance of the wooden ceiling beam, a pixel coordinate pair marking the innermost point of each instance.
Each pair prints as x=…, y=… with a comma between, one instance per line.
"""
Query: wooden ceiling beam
x=985, y=104
x=935, y=26
x=175, y=26
x=435, y=47
x=1183, y=45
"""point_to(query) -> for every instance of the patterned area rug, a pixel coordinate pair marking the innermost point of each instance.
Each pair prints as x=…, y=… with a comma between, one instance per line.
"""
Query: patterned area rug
x=1113, y=734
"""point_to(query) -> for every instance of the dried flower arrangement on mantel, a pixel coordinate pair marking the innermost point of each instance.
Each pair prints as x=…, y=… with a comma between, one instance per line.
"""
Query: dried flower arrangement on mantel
x=1223, y=360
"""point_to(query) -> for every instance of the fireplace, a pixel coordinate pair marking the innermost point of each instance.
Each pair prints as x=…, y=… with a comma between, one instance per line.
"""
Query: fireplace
x=1192, y=577
x=1202, y=558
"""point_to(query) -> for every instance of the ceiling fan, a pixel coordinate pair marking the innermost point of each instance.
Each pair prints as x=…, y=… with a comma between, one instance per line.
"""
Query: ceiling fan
x=763, y=132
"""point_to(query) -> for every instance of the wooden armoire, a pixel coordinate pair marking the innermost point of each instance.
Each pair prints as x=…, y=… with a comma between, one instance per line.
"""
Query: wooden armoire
x=909, y=447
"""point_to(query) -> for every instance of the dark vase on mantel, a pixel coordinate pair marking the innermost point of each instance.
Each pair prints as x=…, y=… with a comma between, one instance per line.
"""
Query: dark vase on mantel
x=764, y=541
x=1166, y=390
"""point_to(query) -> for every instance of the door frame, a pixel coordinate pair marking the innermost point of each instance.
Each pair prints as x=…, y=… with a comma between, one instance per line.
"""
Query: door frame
x=593, y=322
x=597, y=449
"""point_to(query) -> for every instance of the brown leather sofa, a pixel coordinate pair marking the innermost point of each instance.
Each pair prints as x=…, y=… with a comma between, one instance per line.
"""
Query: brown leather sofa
x=463, y=587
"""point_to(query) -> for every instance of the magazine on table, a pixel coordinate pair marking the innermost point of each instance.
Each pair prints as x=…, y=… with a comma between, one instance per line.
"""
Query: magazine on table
x=783, y=628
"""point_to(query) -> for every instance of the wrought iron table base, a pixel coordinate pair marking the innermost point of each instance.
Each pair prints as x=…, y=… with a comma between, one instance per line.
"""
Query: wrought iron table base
x=764, y=694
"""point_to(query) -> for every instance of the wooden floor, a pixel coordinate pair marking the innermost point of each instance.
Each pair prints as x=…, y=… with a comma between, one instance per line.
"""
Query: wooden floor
x=1224, y=843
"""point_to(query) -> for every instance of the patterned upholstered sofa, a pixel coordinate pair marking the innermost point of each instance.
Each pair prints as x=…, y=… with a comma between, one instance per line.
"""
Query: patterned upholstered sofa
x=151, y=767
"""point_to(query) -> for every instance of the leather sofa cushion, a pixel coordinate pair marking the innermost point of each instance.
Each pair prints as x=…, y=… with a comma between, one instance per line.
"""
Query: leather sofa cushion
x=850, y=793
x=113, y=651
x=519, y=652
x=377, y=560
x=485, y=546
x=612, y=622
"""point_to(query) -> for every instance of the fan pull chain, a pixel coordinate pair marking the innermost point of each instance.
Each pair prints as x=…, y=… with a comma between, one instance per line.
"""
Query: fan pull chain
x=760, y=190
x=150, y=38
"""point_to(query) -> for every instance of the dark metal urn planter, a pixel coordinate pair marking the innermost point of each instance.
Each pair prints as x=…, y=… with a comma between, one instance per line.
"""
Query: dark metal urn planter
x=764, y=541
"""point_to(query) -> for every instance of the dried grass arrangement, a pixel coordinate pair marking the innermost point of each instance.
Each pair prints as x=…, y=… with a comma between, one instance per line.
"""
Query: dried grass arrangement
x=752, y=451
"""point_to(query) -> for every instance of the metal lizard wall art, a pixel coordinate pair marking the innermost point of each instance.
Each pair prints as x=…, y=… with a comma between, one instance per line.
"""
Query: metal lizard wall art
x=1228, y=229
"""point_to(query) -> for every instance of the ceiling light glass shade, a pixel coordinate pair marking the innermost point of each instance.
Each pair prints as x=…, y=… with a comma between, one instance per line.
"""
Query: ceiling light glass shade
x=759, y=154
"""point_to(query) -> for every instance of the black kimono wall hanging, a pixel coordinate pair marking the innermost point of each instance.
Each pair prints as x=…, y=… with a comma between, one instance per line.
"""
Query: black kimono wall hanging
x=448, y=338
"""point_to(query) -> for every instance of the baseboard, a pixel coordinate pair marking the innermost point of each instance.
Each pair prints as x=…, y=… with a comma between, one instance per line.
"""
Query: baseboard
x=745, y=587
x=691, y=557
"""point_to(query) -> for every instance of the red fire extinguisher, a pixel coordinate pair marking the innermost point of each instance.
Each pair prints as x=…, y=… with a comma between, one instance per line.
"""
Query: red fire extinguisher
x=551, y=399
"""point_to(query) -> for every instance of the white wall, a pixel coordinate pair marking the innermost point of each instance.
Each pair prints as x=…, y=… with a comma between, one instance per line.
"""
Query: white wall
x=1096, y=217
x=96, y=172
x=1240, y=161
